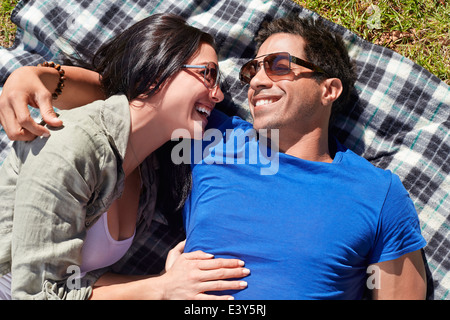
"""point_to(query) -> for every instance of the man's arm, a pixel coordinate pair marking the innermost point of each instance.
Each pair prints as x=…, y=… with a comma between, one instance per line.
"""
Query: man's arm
x=34, y=86
x=402, y=278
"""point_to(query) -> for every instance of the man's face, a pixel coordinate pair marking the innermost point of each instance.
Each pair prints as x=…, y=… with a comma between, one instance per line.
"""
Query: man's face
x=293, y=106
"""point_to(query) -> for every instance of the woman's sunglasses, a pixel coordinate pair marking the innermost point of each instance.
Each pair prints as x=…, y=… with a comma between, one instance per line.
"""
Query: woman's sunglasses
x=211, y=74
x=276, y=65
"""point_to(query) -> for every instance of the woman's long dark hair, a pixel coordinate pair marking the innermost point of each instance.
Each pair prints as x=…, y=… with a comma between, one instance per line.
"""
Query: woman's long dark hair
x=139, y=61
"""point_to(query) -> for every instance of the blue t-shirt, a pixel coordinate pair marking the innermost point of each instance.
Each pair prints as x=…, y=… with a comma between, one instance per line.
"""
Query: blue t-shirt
x=309, y=230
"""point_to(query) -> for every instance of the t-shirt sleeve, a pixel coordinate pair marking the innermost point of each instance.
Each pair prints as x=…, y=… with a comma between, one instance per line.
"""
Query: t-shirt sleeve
x=398, y=227
x=216, y=119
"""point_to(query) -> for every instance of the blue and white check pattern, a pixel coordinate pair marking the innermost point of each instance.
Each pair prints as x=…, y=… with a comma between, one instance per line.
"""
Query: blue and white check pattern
x=399, y=119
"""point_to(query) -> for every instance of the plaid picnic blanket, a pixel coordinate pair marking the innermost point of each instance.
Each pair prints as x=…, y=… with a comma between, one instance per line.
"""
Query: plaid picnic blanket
x=398, y=119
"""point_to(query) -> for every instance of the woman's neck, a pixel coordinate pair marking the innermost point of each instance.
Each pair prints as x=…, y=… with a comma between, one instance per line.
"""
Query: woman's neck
x=146, y=135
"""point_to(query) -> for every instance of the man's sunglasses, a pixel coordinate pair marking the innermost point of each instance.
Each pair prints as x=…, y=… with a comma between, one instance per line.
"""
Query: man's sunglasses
x=276, y=65
x=211, y=74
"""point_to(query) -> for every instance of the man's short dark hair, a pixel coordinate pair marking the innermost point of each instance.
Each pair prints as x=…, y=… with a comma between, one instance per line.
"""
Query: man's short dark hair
x=323, y=48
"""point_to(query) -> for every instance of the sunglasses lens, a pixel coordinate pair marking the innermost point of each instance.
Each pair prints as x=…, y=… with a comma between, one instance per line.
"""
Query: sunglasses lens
x=212, y=75
x=248, y=71
x=277, y=65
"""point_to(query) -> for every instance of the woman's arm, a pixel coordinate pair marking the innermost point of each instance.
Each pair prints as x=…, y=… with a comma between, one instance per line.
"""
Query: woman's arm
x=188, y=276
x=50, y=212
x=34, y=86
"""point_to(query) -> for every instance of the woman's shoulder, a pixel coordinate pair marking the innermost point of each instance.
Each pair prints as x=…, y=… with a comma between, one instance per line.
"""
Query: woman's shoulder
x=86, y=115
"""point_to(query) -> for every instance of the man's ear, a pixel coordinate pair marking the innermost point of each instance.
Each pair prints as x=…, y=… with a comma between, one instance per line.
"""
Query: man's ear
x=332, y=89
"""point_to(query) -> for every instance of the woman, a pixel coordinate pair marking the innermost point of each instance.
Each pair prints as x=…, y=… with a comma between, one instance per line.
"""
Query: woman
x=77, y=197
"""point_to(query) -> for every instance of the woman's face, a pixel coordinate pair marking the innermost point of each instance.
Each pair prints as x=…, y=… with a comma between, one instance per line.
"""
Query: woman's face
x=184, y=102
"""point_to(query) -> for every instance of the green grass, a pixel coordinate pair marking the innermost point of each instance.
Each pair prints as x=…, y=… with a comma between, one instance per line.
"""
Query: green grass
x=7, y=28
x=417, y=29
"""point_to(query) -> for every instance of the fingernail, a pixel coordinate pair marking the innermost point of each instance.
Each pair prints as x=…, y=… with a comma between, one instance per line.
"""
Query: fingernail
x=231, y=298
x=209, y=255
x=242, y=284
x=241, y=263
x=246, y=271
x=46, y=135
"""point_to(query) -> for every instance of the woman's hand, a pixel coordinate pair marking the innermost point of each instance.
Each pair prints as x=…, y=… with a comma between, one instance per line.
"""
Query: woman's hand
x=22, y=88
x=174, y=254
x=190, y=275
x=34, y=86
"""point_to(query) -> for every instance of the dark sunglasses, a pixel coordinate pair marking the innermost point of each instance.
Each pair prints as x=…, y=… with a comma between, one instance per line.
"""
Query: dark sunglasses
x=276, y=65
x=211, y=74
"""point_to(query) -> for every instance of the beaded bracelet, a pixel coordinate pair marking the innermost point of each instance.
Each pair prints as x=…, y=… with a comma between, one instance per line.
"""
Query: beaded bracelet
x=62, y=77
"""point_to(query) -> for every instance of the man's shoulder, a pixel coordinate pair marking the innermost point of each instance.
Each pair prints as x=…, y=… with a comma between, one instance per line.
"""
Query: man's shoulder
x=361, y=166
x=221, y=121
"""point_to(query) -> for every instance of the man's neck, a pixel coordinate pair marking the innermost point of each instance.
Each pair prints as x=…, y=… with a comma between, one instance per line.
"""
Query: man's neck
x=312, y=146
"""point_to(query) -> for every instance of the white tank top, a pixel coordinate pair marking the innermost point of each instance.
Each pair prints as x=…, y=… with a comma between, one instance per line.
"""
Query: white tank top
x=100, y=249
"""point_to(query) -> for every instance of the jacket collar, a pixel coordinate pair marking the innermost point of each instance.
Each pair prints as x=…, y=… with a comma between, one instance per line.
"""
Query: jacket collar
x=115, y=120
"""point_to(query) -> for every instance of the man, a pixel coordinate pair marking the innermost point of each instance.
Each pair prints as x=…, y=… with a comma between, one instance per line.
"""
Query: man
x=326, y=219
x=316, y=228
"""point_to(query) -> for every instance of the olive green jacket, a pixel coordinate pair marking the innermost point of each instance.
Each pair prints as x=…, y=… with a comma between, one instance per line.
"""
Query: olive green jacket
x=52, y=190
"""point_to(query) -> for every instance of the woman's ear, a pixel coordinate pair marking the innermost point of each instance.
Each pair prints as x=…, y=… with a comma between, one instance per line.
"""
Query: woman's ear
x=140, y=101
x=332, y=89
